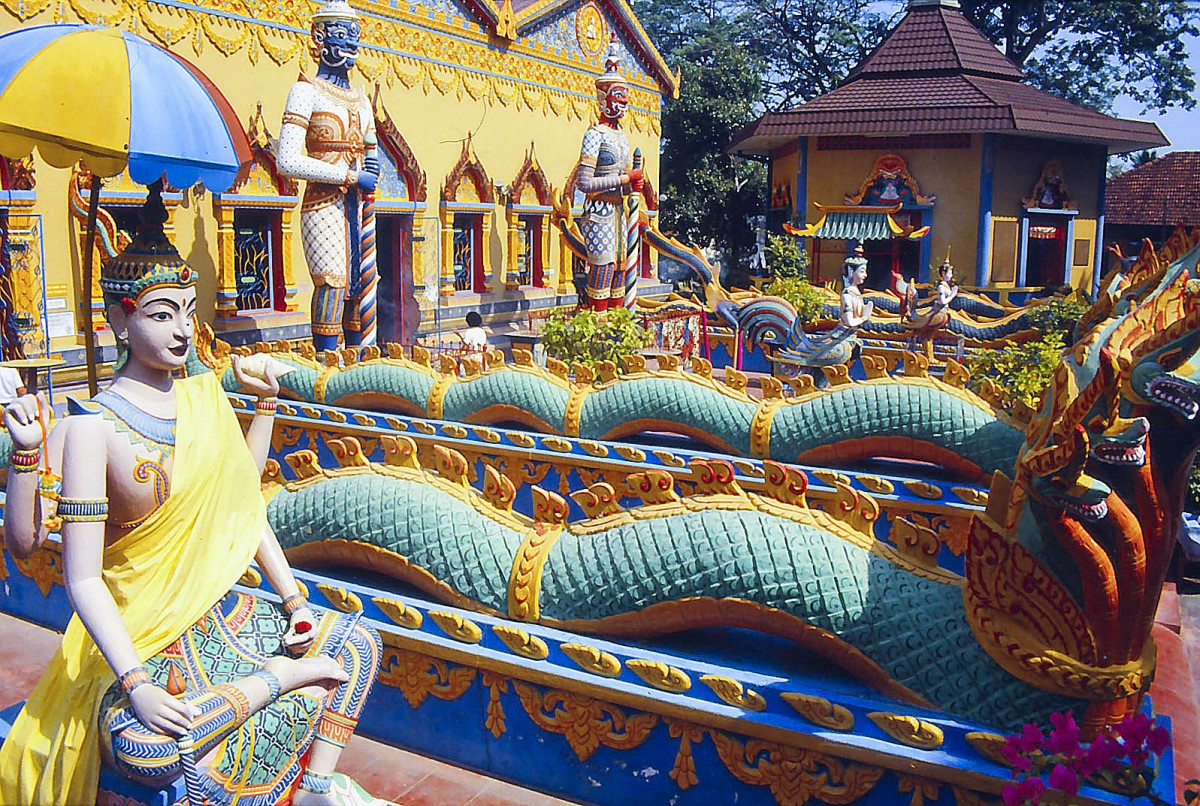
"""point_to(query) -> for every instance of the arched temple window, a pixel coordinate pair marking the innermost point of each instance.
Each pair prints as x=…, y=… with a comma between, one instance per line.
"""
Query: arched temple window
x=530, y=202
x=254, y=237
x=468, y=201
x=399, y=199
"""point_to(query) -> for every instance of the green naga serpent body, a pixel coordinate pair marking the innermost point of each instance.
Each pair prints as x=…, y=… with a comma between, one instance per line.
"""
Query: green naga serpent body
x=722, y=557
x=908, y=415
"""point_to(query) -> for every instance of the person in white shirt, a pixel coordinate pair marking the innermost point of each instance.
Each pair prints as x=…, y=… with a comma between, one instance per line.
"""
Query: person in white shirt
x=474, y=337
x=11, y=385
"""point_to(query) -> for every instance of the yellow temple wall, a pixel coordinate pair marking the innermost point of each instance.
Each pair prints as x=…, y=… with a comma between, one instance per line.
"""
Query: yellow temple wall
x=1019, y=164
x=530, y=96
x=951, y=174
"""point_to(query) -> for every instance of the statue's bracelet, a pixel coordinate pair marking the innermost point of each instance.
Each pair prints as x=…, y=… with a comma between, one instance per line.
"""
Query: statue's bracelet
x=266, y=405
x=137, y=676
x=25, y=460
x=294, y=603
x=273, y=687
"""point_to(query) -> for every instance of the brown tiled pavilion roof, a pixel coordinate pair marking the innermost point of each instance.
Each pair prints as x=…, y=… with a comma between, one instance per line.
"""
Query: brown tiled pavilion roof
x=1163, y=192
x=936, y=38
x=935, y=73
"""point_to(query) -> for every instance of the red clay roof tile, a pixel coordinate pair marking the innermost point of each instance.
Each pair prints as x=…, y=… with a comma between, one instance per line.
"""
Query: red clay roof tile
x=1163, y=192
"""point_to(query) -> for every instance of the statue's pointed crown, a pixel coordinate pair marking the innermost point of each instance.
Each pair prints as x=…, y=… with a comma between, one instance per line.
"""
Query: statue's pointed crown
x=335, y=10
x=150, y=260
x=612, y=60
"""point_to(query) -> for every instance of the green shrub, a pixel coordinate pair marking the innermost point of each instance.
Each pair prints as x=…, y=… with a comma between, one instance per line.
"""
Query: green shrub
x=1059, y=315
x=785, y=258
x=805, y=298
x=1022, y=371
x=590, y=336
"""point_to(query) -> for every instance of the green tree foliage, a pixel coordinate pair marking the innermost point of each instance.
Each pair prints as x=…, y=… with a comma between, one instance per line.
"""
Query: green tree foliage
x=807, y=299
x=709, y=197
x=590, y=336
x=1092, y=52
x=788, y=265
x=785, y=258
x=808, y=46
x=1059, y=315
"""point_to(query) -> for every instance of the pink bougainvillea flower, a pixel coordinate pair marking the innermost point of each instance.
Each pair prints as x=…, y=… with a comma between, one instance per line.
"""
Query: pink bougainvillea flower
x=1011, y=749
x=1105, y=753
x=1064, y=739
x=1159, y=740
x=1134, y=730
x=1031, y=789
x=1064, y=779
x=1011, y=794
x=1030, y=739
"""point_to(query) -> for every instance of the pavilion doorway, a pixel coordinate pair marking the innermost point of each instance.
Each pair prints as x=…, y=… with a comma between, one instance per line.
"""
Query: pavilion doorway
x=895, y=254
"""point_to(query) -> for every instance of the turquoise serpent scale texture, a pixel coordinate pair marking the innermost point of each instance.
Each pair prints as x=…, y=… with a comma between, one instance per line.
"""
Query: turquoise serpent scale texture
x=897, y=410
x=913, y=628
x=450, y=539
x=521, y=390
x=900, y=410
x=672, y=400
x=380, y=378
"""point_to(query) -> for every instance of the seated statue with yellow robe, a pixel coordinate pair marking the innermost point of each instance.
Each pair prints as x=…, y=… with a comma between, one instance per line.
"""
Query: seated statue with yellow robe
x=165, y=671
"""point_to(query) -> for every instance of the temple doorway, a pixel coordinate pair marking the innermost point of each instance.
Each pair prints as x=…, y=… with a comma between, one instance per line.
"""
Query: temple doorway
x=1046, y=254
x=399, y=314
x=901, y=254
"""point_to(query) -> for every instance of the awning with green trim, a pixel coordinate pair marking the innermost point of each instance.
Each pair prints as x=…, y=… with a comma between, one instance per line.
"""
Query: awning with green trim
x=854, y=223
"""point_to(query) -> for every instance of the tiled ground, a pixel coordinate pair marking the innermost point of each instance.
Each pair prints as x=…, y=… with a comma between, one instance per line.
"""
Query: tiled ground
x=384, y=771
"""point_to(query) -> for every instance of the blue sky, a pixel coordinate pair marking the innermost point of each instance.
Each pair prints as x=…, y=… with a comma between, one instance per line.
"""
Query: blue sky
x=1181, y=126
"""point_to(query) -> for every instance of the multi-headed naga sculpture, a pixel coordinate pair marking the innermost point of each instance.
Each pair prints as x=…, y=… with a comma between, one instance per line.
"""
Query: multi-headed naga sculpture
x=1062, y=572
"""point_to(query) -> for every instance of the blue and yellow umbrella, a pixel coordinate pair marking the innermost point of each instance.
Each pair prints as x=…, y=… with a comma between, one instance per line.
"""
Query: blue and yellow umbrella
x=113, y=100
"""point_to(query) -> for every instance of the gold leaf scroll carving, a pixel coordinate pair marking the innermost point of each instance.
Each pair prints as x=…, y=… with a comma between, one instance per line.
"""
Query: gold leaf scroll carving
x=795, y=776
x=497, y=684
x=584, y=722
x=417, y=676
x=684, y=771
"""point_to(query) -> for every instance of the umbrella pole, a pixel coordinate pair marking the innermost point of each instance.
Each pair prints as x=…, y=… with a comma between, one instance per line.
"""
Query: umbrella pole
x=89, y=335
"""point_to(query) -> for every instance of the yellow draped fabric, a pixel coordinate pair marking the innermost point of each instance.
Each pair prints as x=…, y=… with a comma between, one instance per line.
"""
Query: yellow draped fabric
x=163, y=575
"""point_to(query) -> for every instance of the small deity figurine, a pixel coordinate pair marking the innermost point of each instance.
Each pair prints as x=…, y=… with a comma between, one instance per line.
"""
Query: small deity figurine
x=947, y=290
x=610, y=177
x=838, y=345
x=336, y=125
x=164, y=670
x=854, y=311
